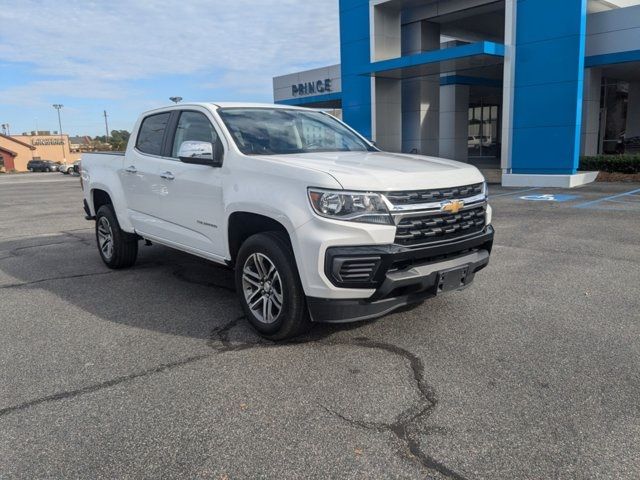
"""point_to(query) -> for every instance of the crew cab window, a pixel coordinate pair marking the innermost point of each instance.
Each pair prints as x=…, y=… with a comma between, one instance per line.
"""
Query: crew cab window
x=151, y=133
x=193, y=126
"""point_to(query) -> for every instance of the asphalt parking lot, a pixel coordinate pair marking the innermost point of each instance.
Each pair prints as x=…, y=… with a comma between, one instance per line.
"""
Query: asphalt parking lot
x=533, y=372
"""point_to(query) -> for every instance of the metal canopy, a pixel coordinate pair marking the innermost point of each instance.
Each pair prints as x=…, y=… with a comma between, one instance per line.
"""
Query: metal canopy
x=473, y=56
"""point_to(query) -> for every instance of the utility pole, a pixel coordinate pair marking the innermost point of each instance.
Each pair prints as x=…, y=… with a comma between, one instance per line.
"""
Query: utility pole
x=175, y=99
x=106, y=127
x=5, y=129
x=58, y=107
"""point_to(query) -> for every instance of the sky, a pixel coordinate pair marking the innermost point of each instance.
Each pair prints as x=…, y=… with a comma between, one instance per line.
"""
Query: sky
x=126, y=57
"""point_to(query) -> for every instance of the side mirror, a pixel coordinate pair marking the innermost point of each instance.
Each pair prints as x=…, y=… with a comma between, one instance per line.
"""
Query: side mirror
x=201, y=153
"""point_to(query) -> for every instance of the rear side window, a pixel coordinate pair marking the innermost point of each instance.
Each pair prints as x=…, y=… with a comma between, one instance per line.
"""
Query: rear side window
x=151, y=133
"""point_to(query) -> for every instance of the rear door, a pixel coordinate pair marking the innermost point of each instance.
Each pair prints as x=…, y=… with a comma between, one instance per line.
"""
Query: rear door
x=140, y=175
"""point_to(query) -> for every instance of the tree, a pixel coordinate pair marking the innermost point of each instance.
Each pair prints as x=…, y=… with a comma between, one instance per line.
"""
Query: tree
x=117, y=140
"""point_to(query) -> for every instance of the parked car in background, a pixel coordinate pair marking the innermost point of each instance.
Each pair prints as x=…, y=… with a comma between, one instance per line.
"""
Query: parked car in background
x=68, y=168
x=319, y=224
x=42, y=166
x=473, y=141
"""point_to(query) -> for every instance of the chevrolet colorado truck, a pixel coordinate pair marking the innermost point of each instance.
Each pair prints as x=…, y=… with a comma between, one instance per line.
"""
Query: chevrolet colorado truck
x=317, y=222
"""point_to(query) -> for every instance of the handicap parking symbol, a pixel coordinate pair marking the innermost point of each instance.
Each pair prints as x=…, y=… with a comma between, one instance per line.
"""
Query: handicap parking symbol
x=549, y=197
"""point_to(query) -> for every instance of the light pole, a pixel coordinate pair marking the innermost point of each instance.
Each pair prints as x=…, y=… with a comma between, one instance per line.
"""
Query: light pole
x=175, y=99
x=106, y=127
x=59, y=106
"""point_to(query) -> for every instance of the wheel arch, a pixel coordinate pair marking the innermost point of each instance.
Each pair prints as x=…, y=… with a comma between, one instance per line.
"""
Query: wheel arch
x=100, y=194
x=243, y=224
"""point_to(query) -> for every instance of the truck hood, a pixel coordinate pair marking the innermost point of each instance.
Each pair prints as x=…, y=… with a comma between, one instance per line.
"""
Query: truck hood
x=384, y=171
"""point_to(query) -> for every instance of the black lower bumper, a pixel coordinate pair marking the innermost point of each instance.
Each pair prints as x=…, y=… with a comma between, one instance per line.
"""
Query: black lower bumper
x=405, y=276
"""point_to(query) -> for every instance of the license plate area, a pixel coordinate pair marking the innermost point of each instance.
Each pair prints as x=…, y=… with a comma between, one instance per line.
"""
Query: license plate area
x=452, y=279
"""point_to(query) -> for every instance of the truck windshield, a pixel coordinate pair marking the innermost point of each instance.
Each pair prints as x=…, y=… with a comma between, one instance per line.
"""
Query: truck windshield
x=276, y=131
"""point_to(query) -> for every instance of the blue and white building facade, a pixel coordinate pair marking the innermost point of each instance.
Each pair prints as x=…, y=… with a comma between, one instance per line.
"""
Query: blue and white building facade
x=524, y=86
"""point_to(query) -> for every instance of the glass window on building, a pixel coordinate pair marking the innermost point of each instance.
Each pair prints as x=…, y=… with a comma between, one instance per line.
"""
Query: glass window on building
x=613, y=115
x=484, y=131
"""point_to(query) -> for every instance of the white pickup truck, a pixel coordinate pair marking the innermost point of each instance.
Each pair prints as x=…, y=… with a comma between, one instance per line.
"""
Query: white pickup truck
x=318, y=223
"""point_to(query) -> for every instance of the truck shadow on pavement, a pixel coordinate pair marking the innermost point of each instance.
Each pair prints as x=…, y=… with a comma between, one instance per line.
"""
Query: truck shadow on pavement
x=174, y=293
x=166, y=290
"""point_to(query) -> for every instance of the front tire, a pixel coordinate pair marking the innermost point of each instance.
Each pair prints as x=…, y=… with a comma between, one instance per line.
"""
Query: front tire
x=269, y=287
x=118, y=249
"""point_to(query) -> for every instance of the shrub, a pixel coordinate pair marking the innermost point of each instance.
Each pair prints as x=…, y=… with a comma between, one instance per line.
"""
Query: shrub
x=611, y=163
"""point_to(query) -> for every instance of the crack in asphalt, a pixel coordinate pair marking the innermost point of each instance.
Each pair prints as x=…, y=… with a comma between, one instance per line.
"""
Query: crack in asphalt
x=49, y=279
x=13, y=252
x=102, y=385
x=86, y=241
x=403, y=427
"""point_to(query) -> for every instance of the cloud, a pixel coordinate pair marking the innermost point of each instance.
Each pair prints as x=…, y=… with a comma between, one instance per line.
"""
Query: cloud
x=101, y=49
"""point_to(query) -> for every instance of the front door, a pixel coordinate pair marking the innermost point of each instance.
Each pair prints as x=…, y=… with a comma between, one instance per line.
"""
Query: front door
x=192, y=205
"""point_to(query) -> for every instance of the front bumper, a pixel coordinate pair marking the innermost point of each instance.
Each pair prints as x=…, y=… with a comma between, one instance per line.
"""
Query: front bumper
x=401, y=276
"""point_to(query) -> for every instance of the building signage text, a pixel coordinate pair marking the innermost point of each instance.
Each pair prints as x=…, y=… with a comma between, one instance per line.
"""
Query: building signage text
x=48, y=141
x=311, y=88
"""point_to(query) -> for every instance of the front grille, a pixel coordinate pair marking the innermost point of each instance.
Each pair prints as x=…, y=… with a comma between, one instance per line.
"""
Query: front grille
x=355, y=269
x=435, y=195
x=440, y=226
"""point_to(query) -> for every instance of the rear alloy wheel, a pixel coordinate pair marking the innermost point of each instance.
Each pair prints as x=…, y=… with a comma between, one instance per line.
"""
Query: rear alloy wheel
x=117, y=248
x=105, y=238
x=269, y=287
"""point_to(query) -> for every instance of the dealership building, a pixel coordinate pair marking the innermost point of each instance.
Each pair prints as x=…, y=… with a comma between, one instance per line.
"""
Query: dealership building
x=17, y=150
x=521, y=88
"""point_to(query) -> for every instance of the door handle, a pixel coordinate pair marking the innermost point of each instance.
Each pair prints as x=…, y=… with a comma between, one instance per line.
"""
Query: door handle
x=167, y=175
x=131, y=169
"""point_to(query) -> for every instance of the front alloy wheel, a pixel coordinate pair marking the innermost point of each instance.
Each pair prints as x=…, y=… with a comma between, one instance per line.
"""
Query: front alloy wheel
x=262, y=287
x=269, y=287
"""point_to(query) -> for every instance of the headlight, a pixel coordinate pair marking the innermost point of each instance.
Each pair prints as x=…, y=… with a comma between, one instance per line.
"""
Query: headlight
x=350, y=206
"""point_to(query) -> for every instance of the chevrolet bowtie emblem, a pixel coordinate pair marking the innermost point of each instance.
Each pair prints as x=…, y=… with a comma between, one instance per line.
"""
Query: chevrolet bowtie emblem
x=453, y=206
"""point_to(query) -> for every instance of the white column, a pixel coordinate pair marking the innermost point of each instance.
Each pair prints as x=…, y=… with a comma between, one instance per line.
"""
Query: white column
x=420, y=96
x=385, y=31
x=388, y=115
x=633, y=110
x=421, y=115
x=454, y=122
x=591, y=112
x=510, y=12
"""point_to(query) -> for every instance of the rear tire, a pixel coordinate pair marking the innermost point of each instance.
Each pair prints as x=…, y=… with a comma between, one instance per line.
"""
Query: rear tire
x=118, y=249
x=269, y=287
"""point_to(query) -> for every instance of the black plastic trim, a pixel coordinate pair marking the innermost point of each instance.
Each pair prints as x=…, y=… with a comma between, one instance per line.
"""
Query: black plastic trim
x=400, y=288
x=393, y=254
x=87, y=210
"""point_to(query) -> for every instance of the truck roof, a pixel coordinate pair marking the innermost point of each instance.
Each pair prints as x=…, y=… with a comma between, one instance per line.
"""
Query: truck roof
x=224, y=105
